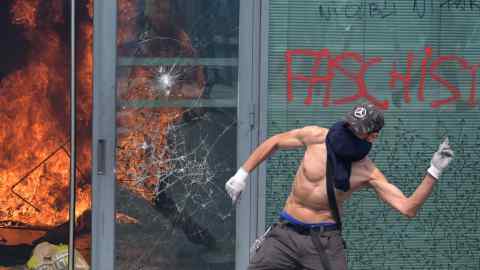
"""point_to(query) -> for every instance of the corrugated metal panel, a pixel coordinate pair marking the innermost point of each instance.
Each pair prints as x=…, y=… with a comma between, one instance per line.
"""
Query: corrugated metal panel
x=442, y=41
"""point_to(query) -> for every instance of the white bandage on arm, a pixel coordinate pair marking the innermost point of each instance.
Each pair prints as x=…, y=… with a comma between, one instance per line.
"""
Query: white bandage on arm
x=434, y=172
x=241, y=174
x=236, y=184
x=440, y=159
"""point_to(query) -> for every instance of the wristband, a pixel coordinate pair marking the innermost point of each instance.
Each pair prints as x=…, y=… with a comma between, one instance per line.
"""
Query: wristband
x=241, y=174
x=434, y=172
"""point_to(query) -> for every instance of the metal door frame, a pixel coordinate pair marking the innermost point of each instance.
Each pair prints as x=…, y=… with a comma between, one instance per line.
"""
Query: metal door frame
x=248, y=127
x=104, y=135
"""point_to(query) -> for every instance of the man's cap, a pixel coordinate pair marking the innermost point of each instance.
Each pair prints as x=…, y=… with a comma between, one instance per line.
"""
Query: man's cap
x=365, y=118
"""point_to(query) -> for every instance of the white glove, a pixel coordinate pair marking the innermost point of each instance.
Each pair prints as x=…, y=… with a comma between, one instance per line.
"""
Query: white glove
x=236, y=184
x=440, y=159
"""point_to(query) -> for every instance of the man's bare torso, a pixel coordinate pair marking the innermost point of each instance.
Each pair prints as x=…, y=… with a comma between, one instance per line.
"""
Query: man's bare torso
x=308, y=201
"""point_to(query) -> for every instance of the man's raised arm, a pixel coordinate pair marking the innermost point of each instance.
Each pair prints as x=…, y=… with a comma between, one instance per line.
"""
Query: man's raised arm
x=291, y=139
x=409, y=206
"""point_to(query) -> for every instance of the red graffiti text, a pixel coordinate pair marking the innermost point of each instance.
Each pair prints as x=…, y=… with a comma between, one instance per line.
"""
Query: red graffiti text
x=331, y=65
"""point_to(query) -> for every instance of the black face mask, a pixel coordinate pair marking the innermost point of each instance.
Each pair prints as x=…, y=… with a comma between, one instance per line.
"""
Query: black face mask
x=343, y=148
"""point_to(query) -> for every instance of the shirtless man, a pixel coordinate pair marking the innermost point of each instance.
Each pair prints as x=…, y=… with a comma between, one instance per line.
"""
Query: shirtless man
x=291, y=243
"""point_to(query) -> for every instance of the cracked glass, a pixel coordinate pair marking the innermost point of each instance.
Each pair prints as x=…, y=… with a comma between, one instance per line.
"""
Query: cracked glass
x=176, y=133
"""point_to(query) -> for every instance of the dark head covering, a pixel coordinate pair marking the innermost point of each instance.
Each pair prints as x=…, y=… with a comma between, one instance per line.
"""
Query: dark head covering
x=343, y=148
x=364, y=119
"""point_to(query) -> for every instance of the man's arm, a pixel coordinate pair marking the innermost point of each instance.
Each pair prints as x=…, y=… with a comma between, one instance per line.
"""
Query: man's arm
x=288, y=140
x=409, y=206
x=291, y=139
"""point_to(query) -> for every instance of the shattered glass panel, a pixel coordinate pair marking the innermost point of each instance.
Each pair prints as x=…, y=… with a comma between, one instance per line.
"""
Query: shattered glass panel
x=176, y=133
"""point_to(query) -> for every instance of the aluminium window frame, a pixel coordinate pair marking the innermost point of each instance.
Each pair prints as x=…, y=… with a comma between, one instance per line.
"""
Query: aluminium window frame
x=104, y=134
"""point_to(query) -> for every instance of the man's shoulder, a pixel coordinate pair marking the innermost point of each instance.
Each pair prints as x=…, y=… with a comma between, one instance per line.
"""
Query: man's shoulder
x=315, y=130
x=365, y=164
x=364, y=170
x=314, y=134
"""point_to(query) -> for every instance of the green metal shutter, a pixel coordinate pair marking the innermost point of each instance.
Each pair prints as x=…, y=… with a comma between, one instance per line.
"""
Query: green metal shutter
x=438, y=42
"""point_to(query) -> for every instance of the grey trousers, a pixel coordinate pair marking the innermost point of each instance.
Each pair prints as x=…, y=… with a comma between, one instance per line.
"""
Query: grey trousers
x=286, y=248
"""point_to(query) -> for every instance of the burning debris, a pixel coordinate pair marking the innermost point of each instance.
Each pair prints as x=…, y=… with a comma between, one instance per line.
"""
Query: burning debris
x=34, y=111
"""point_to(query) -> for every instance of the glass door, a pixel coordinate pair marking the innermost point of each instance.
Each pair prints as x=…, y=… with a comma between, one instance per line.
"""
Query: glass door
x=176, y=132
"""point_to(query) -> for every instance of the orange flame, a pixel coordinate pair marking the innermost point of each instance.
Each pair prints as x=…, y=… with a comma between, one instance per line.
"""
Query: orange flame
x=25, y=13
x=34, y=110
x=139, y=127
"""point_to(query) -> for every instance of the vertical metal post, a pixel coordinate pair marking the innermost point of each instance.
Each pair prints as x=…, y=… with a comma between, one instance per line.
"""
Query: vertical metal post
x=248, y=78
x=262, y=95
x=73, y=150
x=104, y=134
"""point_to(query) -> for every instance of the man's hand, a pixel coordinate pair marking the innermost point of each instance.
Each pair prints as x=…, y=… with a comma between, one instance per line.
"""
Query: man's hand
x=440, y=159
x=236, y=184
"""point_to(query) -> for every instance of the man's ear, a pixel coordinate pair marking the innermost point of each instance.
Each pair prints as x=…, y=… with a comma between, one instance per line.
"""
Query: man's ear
x=372, y=136
x=362, y=136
